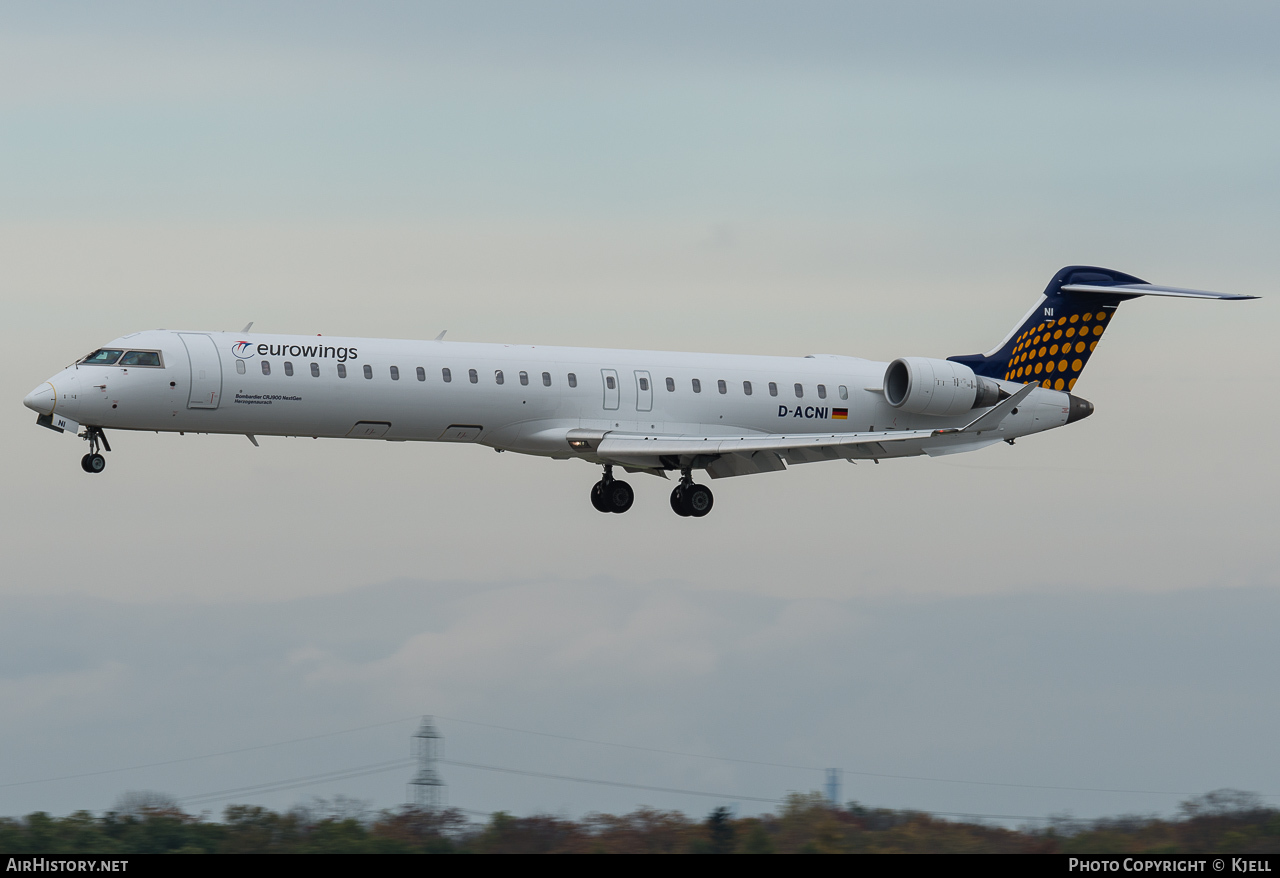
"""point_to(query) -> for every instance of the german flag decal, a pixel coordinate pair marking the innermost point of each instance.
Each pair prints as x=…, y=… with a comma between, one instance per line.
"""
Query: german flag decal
x=840, y=414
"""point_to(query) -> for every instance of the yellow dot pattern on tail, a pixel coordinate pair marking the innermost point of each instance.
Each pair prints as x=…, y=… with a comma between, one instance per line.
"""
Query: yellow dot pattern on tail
x=1056, y=350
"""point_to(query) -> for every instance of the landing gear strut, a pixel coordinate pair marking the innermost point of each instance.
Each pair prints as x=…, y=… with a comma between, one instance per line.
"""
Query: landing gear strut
x=610, y=494
x=93, y=462
x=689, y=499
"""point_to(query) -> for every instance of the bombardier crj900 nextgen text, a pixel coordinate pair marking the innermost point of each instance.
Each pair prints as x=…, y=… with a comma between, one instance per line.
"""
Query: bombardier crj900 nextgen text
x=645, y=411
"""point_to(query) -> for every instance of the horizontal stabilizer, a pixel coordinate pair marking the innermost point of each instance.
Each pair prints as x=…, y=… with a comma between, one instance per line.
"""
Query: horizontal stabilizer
x=1148, y=290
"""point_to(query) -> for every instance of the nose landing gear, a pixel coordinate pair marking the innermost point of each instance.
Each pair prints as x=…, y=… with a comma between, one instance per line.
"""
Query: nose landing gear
x=93, y=462
x=690, y=500
x=610, y=494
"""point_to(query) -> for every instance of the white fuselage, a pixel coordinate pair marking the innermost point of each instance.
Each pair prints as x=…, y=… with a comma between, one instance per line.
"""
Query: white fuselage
x=523, y=398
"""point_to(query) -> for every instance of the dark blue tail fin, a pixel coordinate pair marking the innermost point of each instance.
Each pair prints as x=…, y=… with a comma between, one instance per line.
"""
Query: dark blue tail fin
x=1054, y=341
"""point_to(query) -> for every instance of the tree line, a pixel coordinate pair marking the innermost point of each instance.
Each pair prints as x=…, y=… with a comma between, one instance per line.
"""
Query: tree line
x=1222, y=822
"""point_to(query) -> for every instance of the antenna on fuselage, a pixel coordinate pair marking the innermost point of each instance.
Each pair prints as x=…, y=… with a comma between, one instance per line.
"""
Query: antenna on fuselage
x=440, y=337
x=247, y=326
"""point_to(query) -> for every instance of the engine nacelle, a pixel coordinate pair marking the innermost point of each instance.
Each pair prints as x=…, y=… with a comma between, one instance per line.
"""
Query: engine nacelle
x=924, y=386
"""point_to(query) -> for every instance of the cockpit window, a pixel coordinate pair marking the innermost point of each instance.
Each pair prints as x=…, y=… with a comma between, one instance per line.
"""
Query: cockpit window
x=102, y=357
x=141, y=358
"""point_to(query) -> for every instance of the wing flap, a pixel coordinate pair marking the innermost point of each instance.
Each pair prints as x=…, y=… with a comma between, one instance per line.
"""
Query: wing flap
x=745, y=464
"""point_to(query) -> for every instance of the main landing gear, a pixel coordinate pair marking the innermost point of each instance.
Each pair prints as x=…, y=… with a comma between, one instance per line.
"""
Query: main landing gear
x=93, y=462
x=610, y=494
x=687, y=500
x=690, y=500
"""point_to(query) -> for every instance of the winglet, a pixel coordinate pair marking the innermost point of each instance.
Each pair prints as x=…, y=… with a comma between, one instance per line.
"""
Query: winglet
x=440, y=337
x=247, y=327
x=990, y=420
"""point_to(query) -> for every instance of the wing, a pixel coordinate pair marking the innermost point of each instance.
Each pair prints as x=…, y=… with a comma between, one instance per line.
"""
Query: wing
x=723, y=456
x=740, y=455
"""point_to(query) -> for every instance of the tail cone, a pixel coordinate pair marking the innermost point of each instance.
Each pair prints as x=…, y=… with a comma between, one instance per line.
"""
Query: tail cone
x=1080, y=409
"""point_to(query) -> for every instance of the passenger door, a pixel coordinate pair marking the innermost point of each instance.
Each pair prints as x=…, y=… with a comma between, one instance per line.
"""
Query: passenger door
x=206, y=370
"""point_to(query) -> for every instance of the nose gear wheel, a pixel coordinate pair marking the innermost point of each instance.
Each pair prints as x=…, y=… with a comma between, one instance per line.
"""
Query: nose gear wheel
x=93, y=462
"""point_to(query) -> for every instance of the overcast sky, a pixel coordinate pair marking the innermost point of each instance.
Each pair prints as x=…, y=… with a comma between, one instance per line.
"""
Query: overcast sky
x=738, y=177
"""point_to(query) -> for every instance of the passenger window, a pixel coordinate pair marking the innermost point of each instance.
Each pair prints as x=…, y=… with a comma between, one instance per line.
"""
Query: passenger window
x=266, y=368
x=240, y=366
x=799, y=391
x=497, y=377
x=288, y=368
x=446, y=374
x=721, y=386
x=573, y=380
x=342, y=370
x=546, y=379
x=140, y=358
x=671, y=385
x=368, y=371
x=315, y=370
x=773, y=388
x=395, y=373
x=422, y=374
x=697, y=386
x=844, y=392
x=102, y=357
x=644, y=383
x=524, y=379
x=472, y=376
x=746, y=387
x=609, y=382
x=822, y=391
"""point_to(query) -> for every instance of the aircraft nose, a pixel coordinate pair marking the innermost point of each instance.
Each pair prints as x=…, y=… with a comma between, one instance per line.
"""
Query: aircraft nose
x=42, y=399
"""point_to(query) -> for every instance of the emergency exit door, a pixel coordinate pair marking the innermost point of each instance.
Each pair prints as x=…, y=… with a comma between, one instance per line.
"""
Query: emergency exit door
x=644, y=392
x=612, y=392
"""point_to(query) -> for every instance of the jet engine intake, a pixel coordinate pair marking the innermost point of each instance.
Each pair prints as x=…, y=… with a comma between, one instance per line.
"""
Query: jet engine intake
x=925, y=386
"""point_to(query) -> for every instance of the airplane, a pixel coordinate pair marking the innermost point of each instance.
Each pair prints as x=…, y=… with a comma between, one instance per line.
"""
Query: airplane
x=644, y=411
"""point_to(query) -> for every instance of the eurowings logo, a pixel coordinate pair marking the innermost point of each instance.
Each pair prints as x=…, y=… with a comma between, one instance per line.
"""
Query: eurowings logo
x=246, y=349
